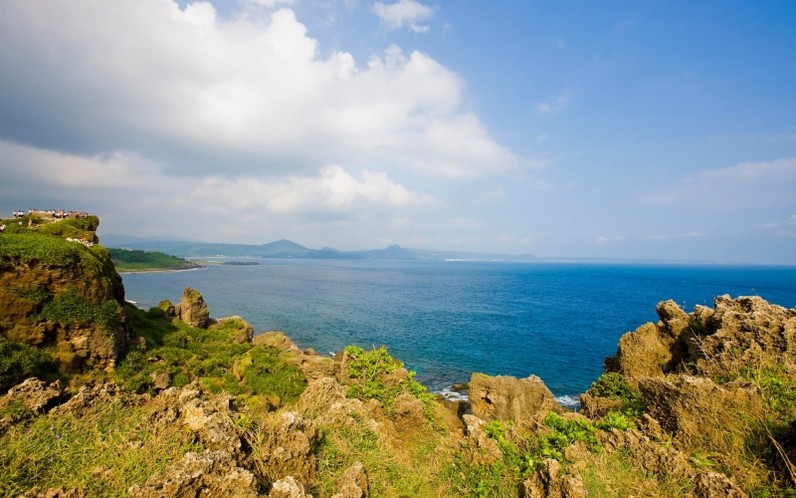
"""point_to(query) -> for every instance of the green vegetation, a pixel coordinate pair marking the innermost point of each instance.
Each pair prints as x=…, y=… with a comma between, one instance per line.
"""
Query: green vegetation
x=376, y=375
x=256, y=375
x=19, y=361
x=136, y=260
x=615, y=386
x=101, y=450
x=31, y=248
x=70, y=308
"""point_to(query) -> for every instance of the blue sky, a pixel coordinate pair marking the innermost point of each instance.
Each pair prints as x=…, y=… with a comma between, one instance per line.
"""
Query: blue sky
x=662, y=130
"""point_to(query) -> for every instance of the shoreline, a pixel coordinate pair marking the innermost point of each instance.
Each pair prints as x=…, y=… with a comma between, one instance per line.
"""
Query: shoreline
x=162, y=270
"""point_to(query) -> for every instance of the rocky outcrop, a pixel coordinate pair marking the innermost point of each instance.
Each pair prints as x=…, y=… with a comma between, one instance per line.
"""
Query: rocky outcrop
x=192, y=309
x=736, y=333
x=478, y=447
x=287, y=447
x=313, y=365
x=209, y=474
x=35, y=395
x=509, y=398
x=692, y=408
x=551, y=482
x=354, y=483
x=67, y=298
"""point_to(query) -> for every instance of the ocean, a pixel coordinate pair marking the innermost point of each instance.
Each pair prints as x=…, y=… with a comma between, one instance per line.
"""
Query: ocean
x=448, y=319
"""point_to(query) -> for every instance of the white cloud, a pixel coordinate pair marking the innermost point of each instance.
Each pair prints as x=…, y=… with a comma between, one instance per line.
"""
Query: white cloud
x=781, y=168
x=556, y=105
x=49, y=169
x=603, y=239
x=751, y=185
x=269, y=3
x=404, y=13
x=333, y=193
x=250, y=93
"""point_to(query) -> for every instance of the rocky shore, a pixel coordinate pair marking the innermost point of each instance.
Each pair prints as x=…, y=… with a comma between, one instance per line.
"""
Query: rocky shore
x=99, y=398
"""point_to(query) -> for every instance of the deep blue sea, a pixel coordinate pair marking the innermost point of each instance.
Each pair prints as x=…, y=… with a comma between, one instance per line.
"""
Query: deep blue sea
x=446, y=320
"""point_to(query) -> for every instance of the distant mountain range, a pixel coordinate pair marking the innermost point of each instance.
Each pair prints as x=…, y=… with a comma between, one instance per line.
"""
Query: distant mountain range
x=288, y=249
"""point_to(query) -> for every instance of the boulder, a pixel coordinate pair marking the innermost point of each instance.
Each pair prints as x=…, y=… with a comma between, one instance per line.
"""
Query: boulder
x=642, y=353
x=193, y=309
x=288, y=487
x=550, y=482
x=510, y=398
x=479, y=448
x=286, y=447
x=354, y=483
x=209, y=416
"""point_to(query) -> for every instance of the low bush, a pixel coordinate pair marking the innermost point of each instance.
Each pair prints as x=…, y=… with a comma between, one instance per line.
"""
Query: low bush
x=208, y=355
x=370, y=372
x=71, y=308
x=615, y=386
x=19, y=361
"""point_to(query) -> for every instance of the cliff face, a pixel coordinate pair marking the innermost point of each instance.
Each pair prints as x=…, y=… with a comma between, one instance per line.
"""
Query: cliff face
x=60, y=291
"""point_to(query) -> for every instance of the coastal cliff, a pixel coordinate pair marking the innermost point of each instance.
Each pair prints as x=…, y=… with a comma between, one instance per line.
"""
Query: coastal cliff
x=101, y=398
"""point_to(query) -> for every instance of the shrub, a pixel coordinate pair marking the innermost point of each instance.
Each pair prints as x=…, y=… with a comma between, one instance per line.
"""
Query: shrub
x=615, y=386
x=70, y=308
x=19, y=361
x=615, y=420
x=369, y=373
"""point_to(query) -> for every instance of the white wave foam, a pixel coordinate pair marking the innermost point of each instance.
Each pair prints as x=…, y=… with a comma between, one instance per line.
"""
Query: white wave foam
x=569, y=401
x=451, y=395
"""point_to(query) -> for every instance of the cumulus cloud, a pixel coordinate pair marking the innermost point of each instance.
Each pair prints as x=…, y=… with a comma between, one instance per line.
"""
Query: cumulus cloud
x=133, y=191
x=404, y=13
x=252, y=94
x=332, y=193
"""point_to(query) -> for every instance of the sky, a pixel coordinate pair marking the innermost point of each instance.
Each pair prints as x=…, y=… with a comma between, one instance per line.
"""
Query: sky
x=622, y=129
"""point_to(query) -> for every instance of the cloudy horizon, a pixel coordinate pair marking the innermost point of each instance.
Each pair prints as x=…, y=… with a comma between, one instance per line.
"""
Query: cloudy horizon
x=659, y=132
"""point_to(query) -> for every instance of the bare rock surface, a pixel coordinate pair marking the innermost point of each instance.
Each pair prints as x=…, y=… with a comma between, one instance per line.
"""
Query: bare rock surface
x=36, y=395
x=193, y=309
x=551, y=482
x=210, y=474
x=354, y=483
x=509, y=398
x=288, y=487
x=691, y=408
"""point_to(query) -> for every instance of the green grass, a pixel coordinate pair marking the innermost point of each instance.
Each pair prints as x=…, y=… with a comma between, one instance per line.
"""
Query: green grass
x=615, y=386
x=20, y=361
x=210, y=356
x=70, y=308
x=136, y=260
x=101, y=451
x=369, y=373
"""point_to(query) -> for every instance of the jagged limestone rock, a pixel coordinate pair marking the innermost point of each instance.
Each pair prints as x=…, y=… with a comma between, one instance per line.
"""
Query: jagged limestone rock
x=210, y=474
x=354, y=483
x=193, y=309
x=510, y=398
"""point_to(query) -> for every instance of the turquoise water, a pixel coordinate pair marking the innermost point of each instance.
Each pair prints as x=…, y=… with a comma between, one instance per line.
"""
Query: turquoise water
x=446, y=320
